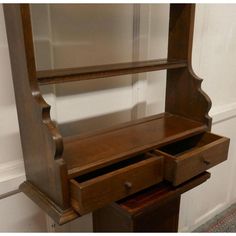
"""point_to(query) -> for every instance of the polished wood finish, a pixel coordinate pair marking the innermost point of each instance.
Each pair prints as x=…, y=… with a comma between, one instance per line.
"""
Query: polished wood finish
x=120, y=143
x=113, y=219
x=60, y=215
x=55, y=165
x=96, y=189
x=155, y=209
x=41, y=142
x=102, y=71
x=190, y=157
x=184, y=95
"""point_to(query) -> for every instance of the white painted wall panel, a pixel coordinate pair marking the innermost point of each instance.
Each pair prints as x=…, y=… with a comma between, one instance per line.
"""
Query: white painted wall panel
x=19, y=214
x=90, y=34
x=157, y=48
x=9, y=135
x=215, y=49
x=213, y=56
x=106, y=38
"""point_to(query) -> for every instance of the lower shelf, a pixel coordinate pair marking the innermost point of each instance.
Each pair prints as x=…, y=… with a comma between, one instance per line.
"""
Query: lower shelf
x=157, y=194
x=84, y=154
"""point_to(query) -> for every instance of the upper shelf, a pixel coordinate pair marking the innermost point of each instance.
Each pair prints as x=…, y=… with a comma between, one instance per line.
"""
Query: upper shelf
x=83, y=154
x=102, y=71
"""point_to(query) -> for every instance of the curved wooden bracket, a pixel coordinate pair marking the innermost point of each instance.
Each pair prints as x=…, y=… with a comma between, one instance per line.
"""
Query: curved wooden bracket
x=42, y=143
x=184, y=95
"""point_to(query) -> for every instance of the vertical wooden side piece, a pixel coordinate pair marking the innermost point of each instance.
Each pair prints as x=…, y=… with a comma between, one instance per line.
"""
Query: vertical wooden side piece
x=41, y=142
x=184, y=95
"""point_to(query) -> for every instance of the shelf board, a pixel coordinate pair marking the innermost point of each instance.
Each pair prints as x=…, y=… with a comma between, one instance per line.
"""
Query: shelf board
x=102, y=71
x=96, y=150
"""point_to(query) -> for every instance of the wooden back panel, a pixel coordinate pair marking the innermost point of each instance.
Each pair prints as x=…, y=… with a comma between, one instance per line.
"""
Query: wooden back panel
x=184, y=95
x=41, y=142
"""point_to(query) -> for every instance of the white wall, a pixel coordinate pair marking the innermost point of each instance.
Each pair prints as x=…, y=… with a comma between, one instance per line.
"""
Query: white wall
x=213, y=60
x=129, y=32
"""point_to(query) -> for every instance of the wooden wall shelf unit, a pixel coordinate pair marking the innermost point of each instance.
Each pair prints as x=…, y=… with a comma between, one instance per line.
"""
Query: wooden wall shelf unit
x=71, y=176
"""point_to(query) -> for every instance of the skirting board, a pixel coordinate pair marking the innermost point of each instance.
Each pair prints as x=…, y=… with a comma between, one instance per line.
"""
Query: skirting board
x=12, y=174
x=223, y=112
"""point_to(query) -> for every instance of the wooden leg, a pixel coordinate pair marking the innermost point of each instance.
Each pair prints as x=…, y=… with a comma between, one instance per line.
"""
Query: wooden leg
x=152, y=210
x=110, y=219
x=163, y=218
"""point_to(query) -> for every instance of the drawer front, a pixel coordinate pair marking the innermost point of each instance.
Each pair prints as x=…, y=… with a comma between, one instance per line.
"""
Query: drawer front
x=179, y=169
x=97, y=192
x=197, y=162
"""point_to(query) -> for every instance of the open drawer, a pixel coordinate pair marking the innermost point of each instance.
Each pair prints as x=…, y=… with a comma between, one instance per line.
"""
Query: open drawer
x=98, y=188
x=189, y=157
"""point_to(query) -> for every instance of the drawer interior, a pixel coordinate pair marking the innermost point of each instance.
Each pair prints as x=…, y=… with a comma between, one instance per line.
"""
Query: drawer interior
x=111, y=168
x=181, y=147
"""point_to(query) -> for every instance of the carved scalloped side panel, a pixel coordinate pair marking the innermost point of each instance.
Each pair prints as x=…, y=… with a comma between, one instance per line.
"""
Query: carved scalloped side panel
x=41, y=142
x=185, y=97
x=205, y=99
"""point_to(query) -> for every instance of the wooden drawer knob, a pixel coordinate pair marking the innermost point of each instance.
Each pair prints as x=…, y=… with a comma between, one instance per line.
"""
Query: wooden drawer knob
x=128, y=185
x=207, y=162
